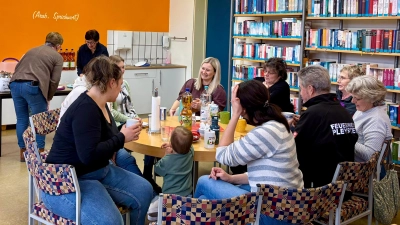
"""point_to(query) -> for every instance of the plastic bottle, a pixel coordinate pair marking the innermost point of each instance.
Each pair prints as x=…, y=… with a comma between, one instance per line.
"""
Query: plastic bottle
x=205, y=102
x=186, y=113
x=215, y=127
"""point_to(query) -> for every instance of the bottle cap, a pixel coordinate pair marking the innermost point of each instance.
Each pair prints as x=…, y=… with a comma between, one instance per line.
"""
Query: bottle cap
x=188, y=89
x=206, y=88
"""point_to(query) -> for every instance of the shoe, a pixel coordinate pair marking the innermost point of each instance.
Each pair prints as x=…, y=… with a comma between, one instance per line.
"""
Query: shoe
x=152, y=213
x=21, y=154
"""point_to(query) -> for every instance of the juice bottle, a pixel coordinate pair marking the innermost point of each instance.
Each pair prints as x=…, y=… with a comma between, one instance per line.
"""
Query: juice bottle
x=186, y=113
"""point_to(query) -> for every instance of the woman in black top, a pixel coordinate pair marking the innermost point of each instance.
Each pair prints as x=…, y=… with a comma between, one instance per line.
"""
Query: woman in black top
x=87, y=138
x=275, y=76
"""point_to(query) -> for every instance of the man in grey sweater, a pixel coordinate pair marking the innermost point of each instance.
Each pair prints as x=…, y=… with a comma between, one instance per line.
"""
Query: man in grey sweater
x=34, y=84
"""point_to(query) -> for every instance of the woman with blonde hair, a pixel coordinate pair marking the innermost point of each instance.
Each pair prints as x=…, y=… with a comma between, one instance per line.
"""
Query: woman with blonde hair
x=209, y=75
x=371, y=120
x=347, y=73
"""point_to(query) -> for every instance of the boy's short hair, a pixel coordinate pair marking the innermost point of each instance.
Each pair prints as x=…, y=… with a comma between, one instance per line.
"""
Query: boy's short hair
x=181, y=140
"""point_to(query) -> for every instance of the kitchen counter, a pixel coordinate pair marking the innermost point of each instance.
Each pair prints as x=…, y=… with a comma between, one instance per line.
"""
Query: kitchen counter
x=154, y=66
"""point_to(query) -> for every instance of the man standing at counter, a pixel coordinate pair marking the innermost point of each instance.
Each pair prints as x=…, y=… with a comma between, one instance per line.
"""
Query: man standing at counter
x=34, y=84
x=91, y=49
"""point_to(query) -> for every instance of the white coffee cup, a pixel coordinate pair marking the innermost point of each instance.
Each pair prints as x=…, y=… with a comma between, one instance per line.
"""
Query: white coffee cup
x=131, y=122
x=288, y=115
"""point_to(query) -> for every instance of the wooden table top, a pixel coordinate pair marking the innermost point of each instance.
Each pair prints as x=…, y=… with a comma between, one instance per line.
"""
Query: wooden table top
x=150, y=144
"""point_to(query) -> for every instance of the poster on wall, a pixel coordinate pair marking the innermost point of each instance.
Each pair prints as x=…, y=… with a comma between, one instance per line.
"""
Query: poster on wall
x=25, y=24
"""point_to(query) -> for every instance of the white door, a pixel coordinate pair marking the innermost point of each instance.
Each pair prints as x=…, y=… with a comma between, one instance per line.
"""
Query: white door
x=170, y=82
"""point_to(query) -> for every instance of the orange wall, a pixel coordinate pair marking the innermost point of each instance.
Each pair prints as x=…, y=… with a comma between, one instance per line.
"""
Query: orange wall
x=21, y=29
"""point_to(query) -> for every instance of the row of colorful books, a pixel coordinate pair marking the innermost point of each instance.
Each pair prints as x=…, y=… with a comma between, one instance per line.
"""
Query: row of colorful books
x=286, y=27
x=260, y=51
x=249, y=72
x=268, y=6
x=390, y=77
x=376, y=40
x=353, y=8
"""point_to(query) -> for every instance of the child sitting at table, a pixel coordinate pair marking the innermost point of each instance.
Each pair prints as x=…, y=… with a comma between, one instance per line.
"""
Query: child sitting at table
x=176, y=167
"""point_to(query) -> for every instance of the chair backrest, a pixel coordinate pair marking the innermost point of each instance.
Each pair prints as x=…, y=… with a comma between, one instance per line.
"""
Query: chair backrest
x=357, y=175
x=53, y=179
x=175, y=209
x=298, y=206
x=385, y=154
x=45, y=122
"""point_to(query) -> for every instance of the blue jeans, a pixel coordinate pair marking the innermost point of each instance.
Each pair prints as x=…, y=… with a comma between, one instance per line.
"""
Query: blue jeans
x=208, y=188
x=27, y=98
x=101, y=190
x=125, y=160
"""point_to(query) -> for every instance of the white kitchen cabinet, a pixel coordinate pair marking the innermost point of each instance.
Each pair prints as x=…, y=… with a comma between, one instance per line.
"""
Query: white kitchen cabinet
x=9, y=117
x=142, y=82
x=169, y=82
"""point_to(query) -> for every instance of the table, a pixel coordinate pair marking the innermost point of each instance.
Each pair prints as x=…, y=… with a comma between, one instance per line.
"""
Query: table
x=7, y=94
x=150, y=144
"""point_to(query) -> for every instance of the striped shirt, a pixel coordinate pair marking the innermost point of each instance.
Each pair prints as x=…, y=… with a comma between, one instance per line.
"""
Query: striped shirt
x=269, y=151
x=373, y=128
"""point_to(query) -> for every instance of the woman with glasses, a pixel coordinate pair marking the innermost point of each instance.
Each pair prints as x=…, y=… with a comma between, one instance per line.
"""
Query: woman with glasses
x=345, y=98
x=275, y=76
x=91, y=49
x=371, y=119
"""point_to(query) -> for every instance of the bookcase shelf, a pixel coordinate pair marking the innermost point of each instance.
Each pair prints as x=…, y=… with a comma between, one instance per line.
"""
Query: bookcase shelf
x=268, y=38
x=261, y=61
x=291, y=89
x=388, y=90
x=268, y=15
x=355, y=18
x=352, y=52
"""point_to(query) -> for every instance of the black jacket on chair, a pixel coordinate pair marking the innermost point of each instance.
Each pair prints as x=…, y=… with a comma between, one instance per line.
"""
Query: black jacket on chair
x=326, y=136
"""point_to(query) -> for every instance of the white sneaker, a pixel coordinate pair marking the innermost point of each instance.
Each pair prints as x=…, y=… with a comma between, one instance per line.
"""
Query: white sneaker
x=152, y=213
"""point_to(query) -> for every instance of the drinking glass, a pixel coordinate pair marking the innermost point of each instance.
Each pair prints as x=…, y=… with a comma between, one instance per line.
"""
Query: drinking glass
x=165, y=133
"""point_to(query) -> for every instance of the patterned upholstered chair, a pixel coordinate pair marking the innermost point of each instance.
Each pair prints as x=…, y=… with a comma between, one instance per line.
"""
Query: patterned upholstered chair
x=44, y=123
x=53, y=179
x=175, y=209
x=358, y=176
x=298, y=206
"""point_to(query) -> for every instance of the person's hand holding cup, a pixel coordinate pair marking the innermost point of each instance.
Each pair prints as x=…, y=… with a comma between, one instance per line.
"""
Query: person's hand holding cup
x=132, y=129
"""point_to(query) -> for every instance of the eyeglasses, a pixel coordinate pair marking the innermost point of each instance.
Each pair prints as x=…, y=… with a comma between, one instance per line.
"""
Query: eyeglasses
x=357, y=99
x=343, y=78
x=270, y=72
x=91, y=42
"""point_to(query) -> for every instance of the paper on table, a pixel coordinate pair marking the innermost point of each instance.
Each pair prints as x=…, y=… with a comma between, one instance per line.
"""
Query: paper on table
x=155, y=113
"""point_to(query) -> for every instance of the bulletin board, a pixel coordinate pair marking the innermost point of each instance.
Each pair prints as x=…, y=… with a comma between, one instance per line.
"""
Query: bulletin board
x=25, y=24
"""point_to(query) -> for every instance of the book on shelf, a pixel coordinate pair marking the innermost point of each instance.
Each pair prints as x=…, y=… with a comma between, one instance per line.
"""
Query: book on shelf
x=284, y=28
x=295, y=102
x=365, y=40
x=268, y=6
x=353, y=8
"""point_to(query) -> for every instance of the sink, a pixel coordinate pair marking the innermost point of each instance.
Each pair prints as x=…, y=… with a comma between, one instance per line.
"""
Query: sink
x=157, y=65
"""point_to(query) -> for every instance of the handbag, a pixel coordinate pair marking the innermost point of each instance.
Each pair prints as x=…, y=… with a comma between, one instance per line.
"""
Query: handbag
x=386, y=197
